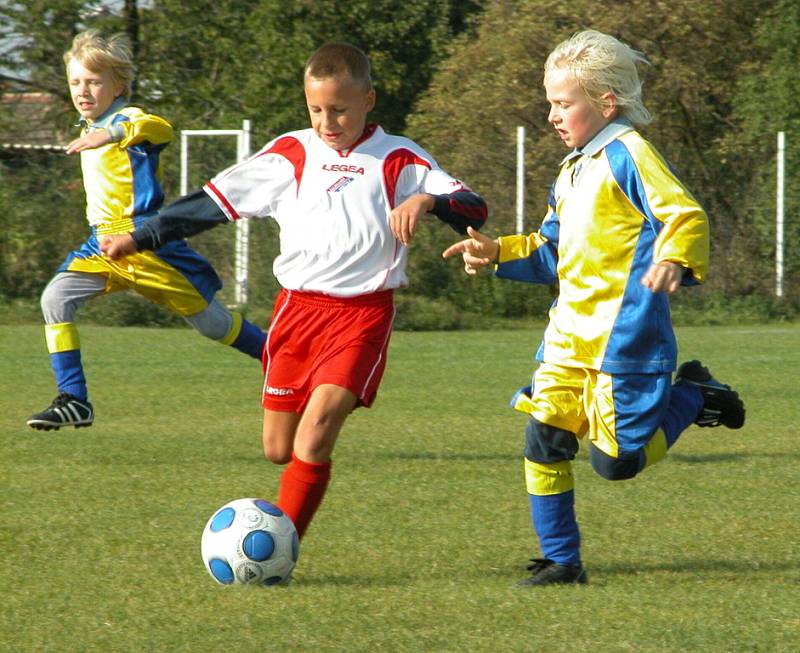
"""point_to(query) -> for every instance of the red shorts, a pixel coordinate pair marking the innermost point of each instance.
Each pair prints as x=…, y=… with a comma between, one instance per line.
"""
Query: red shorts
x=316, y=339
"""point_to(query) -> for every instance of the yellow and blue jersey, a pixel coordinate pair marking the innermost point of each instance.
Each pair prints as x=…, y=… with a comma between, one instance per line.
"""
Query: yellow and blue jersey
x=123, y=191
x=122, y=178
x=615, y=209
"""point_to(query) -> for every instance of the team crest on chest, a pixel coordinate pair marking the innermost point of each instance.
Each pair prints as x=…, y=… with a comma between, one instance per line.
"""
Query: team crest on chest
x=339, y=184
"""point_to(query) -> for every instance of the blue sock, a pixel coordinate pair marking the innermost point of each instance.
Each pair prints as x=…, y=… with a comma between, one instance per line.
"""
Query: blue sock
x=554, y=521
x=250, y=340
x=68, y=371
x=685, y=404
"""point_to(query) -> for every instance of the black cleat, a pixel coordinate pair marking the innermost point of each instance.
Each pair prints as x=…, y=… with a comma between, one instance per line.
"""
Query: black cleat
x=547, y=572
x=66, y=410
x=721, y=405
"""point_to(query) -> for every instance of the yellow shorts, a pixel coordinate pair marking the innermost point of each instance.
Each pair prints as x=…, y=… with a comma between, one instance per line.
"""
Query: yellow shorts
x=174, y=275
x=620, y=413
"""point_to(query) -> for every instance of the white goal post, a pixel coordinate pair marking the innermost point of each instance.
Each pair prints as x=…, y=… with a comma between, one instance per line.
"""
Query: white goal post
x=242, y=248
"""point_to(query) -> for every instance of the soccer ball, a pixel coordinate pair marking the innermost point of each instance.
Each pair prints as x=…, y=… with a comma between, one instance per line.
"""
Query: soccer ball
x=249, y=541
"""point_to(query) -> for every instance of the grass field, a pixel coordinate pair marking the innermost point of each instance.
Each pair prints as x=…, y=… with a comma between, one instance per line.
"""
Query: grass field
x=425, y=528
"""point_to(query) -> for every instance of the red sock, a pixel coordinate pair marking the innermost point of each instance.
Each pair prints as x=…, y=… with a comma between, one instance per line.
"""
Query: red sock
x=301, y=490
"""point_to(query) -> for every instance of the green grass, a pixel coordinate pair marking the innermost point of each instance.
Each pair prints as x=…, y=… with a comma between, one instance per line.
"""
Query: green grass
x=425, y=528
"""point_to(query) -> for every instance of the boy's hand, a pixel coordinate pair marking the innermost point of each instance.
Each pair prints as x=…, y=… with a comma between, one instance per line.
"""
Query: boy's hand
x=89, y=141
x=665, y=276
x=477, y=251
x=403, y=218
x=117, y=246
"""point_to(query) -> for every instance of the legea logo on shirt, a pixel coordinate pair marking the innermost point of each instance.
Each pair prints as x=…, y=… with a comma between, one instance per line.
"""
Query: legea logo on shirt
x=339, y=184
x=342, y=167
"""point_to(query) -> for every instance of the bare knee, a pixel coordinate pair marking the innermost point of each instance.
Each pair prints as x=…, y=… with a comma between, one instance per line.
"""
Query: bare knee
x=278, y=434
x=277, y=455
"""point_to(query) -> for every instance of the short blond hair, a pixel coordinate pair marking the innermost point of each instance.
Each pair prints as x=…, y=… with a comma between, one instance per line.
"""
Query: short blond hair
x=600, y=64
x=98, y=53
x=337, y=60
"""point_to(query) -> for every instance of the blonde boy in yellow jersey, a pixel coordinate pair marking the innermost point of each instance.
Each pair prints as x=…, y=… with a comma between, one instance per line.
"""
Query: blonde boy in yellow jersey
x=621, y=234
x=119, y=149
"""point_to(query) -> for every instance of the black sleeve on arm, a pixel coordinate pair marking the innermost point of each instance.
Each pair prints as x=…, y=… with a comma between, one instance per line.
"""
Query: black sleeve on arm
x=460, y=210
x=190, y=215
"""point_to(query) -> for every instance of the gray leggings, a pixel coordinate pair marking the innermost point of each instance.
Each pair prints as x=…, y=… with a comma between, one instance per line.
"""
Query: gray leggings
x=68, y=291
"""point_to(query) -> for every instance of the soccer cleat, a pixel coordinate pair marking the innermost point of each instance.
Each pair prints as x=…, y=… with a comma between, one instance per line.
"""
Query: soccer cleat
x=66, y=410
x=721, y=405
x=547, y=572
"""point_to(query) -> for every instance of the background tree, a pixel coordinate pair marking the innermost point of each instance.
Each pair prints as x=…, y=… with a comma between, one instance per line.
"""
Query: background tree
x=458, y=77
x=764, y=103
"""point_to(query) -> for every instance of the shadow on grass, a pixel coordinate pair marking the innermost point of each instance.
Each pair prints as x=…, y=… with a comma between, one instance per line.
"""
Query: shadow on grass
x=700, y=565
x=727, y=457
x=599, y=573
x=447, y=455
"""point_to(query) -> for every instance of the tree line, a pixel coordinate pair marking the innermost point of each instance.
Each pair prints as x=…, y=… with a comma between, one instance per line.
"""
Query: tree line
x=458, y=77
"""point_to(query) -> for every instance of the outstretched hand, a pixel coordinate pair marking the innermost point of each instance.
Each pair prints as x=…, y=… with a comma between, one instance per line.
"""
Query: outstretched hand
x=477, y=251
x=89, y=141
x=117, y=246
x=665, y=276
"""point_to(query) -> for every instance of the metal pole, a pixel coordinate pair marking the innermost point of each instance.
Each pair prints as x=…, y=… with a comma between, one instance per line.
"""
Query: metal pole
x=779, y=217
x=242, y=248
x=520, y=179
x=184, y=163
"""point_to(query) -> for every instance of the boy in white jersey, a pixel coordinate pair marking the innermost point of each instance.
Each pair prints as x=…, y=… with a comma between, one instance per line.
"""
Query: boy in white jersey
x=621, y=233
x=348, y=198
x=119, y=147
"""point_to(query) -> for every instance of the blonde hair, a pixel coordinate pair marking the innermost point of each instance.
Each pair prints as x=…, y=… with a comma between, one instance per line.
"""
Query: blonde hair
x=337, y=60
x=97, y=53
x=601, y=64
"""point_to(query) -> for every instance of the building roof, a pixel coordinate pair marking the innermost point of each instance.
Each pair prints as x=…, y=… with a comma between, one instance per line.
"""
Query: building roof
x=32, y=125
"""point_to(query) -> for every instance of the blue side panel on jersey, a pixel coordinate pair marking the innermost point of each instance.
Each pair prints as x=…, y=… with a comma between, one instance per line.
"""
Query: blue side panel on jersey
x=147, y=192
x=221, y=570
x=258, y=545
x=192, y=266
x=641, y=339
x=222, y=520
x=269, y=508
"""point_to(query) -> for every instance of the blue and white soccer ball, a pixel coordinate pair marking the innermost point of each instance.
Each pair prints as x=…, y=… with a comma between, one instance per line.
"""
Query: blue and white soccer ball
x=249, y=541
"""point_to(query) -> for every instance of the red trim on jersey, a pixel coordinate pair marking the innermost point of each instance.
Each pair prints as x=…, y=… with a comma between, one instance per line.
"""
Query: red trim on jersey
x=477, y=211
x=394, y=164
x=293, y=151
x=369, y=130
x=232, y=214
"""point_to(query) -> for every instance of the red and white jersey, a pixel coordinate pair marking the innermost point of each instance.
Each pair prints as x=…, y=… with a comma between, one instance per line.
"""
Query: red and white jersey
x=332, y=207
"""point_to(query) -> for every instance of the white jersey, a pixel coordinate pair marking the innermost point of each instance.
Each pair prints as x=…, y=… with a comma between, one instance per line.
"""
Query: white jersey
x=332, y=207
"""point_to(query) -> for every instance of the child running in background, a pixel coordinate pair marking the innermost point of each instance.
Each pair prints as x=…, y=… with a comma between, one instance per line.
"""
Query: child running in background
x=348, y=198
x=621, y=234
x=119, y=149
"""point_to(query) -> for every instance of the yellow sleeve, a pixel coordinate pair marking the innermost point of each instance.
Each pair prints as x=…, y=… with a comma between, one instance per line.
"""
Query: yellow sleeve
x=142, y=126
x=516, y=247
